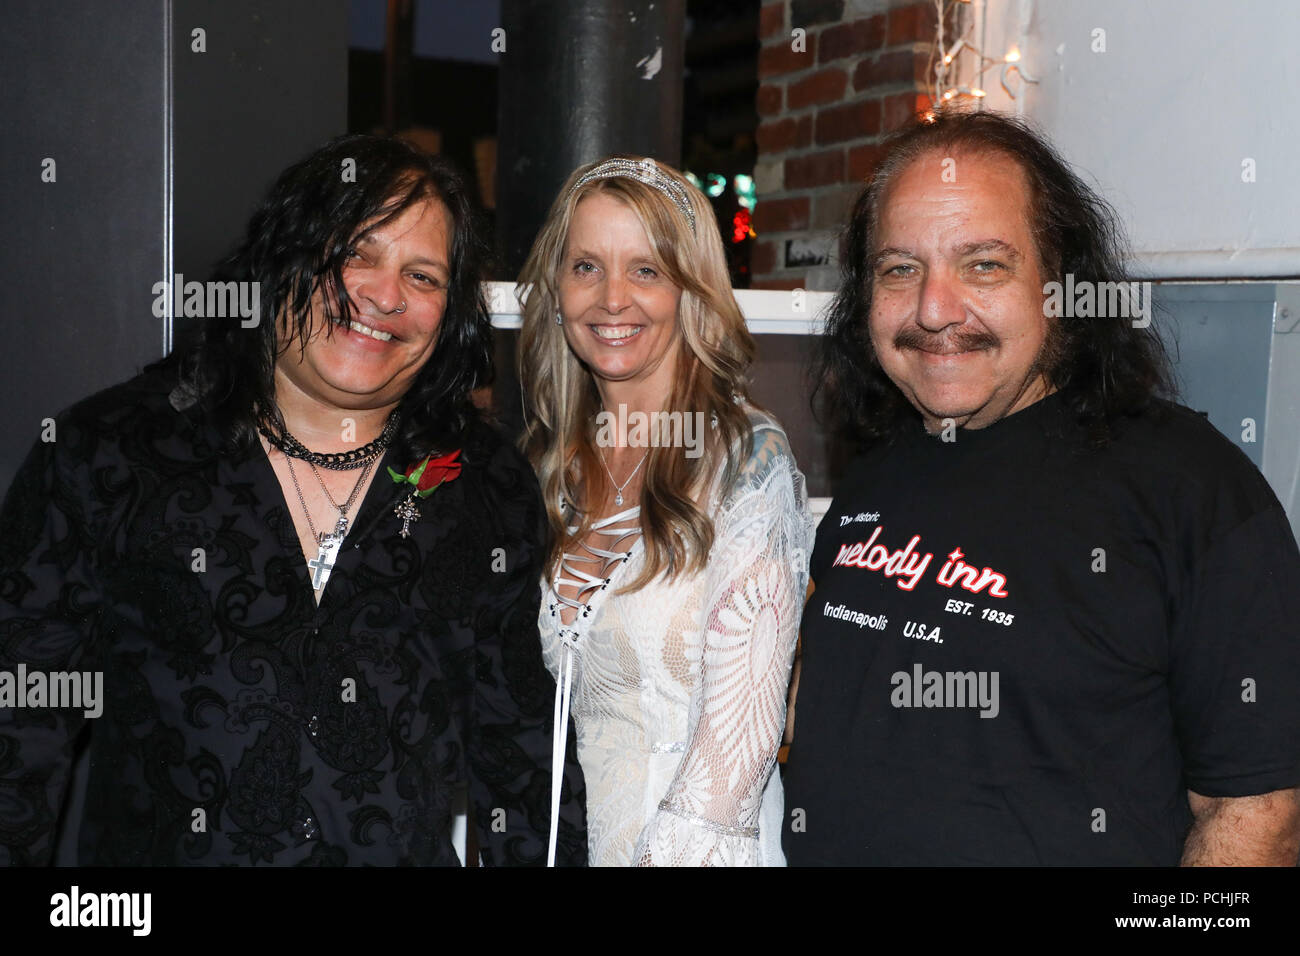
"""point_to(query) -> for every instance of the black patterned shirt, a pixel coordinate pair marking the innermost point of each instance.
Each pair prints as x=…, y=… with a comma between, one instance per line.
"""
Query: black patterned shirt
x=239, y=722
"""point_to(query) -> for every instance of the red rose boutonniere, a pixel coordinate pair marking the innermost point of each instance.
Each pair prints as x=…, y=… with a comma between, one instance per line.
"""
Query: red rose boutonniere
x=424, y=477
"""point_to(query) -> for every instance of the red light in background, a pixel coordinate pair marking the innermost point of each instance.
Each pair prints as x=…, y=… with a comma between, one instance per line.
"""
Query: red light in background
x=740, y=226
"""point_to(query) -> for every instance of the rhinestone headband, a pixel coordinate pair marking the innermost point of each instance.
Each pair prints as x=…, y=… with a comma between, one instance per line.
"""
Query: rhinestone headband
x=643, y=171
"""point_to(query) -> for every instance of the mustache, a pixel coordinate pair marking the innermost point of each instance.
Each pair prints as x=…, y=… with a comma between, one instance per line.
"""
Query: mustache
x=968, y=340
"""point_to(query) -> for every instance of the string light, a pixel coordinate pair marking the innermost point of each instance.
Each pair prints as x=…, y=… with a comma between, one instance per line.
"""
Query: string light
x=946, y=61
x=746, y=194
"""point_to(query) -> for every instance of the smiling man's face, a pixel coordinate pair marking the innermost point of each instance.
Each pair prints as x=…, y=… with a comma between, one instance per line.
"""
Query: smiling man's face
x=396, y=277
x=957, y=317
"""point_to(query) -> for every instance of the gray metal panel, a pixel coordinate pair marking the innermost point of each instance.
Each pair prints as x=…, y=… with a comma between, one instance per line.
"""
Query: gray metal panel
x=1223, y=334
x=1282, y=447
x=84, y=85
x=271, y=87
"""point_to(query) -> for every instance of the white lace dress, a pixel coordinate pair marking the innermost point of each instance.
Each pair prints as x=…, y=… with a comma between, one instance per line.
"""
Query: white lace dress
x=678, y=690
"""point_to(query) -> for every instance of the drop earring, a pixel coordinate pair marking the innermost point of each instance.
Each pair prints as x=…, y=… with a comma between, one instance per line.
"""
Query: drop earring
x=559, y=320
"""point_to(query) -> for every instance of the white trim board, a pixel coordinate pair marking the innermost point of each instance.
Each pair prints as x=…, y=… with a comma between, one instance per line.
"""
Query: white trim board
x=767, y=312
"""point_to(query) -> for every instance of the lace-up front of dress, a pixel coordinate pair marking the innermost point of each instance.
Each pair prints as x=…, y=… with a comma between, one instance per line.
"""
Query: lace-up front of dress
x=591, y=572
x=678, y=689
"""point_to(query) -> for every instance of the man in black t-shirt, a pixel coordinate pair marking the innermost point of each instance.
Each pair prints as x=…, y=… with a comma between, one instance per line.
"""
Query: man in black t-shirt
x=1053, y=616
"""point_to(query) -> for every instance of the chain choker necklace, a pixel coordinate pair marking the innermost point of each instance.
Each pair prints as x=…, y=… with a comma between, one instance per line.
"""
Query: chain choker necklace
x=337, y=461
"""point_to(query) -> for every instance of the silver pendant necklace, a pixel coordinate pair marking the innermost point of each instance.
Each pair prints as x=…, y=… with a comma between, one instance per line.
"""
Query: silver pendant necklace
x=618, y=489
x=328, y=542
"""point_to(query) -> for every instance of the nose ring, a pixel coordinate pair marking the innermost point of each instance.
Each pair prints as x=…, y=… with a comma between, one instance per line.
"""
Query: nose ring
x=402, y=309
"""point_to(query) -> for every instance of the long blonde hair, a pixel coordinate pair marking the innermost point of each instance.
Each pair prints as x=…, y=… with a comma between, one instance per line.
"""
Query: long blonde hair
x=560, y=396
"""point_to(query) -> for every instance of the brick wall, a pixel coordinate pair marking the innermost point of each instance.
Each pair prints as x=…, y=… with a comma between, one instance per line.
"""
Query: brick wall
x=826, y=99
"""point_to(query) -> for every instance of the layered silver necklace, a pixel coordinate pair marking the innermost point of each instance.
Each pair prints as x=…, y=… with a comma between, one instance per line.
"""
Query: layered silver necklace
x=329, y=542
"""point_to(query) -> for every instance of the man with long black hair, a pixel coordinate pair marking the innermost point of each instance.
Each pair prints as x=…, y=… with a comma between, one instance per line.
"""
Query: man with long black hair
x=301, y=564
x=1054, y=617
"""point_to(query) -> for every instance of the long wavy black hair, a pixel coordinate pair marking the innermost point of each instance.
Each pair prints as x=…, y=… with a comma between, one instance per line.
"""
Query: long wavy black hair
x=296, y=241
x=1104, y=368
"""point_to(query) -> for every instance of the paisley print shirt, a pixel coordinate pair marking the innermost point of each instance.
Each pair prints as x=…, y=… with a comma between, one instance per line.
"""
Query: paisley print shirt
x=240, y=723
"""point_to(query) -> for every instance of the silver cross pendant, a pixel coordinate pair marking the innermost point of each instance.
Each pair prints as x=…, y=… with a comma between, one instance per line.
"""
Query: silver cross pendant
x=321, y=566
x=408, y=513
x=330, y=542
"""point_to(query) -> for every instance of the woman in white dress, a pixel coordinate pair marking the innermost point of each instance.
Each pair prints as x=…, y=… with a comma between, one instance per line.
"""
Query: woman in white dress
x=679, y=520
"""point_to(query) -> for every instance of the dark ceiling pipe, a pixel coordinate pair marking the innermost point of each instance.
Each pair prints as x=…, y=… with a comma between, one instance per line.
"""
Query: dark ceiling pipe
x=399, y=36
x=580, y=80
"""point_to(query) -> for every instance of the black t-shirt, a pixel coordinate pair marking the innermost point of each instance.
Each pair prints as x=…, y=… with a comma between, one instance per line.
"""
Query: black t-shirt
x=1024, y=651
